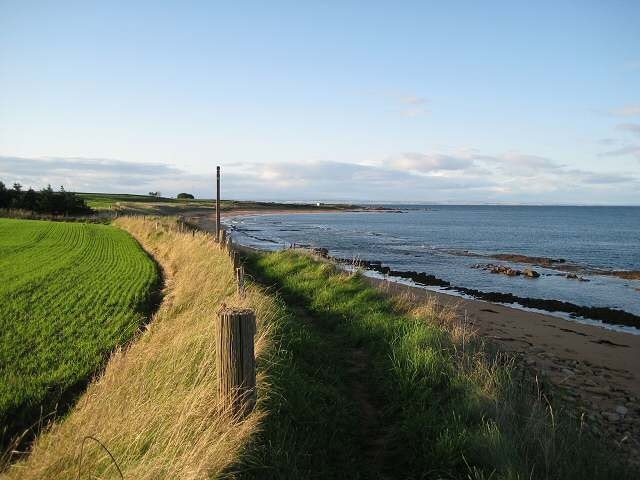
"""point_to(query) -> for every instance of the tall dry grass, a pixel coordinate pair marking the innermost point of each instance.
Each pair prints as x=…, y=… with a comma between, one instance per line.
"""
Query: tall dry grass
x=531, y=435
x=155, y=408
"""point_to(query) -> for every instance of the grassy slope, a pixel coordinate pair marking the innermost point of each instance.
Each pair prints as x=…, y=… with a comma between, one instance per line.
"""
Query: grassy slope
x=145, y=204
x=446, y=407
x=107, y=200
x=155, y=407
x=69, y=293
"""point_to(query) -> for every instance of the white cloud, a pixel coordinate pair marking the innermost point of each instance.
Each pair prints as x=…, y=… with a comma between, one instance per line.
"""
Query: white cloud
x=95, y=175
x=412, y=100
x=413, y=106
x=630, y=127
x=428, y=163
x=633, y=150
x=627, y=111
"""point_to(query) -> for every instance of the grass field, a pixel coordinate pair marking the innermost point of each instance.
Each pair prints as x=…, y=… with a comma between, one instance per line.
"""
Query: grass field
x=148, y=205
x=69, y=294
x=108, y=200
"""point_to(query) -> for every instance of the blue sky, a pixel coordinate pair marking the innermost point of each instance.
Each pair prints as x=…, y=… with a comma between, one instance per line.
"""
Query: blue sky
x=535, y=102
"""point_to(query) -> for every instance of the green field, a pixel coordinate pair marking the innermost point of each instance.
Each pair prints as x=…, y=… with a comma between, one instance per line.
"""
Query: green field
x=108, y=200
x=146, y=204
x=69, y=294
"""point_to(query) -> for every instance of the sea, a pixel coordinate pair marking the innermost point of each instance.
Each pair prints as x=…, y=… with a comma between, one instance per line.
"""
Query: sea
x=454, y=242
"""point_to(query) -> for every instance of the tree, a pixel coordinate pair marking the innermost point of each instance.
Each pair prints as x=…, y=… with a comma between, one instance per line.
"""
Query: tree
x=30, y=200
x=44, y=201
x=15, y=196
x=186, y=195
x=4, y=196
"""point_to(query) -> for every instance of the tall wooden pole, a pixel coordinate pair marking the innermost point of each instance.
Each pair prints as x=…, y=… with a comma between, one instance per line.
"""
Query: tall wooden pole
x=235, y=360
x=217, y=203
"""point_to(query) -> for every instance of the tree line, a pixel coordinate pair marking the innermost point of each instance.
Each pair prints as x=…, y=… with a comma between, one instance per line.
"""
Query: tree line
x=46, y=200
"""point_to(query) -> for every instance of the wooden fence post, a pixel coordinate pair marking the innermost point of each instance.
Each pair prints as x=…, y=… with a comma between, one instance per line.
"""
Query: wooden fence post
x=217, y=203
x=222, y=239
x=240, y=280
x=235, y=360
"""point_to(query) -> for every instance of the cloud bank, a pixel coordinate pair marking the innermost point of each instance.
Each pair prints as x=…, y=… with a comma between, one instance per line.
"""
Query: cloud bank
x=90, y=174
x=461, y=176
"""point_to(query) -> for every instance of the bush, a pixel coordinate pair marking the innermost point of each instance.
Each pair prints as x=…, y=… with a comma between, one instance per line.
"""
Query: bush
x=186, y=195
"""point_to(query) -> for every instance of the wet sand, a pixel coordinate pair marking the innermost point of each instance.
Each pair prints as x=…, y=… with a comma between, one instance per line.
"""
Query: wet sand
x=207, y=221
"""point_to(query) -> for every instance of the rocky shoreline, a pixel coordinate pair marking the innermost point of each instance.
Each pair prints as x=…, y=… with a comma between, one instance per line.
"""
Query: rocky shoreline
x=559, y=264
x=507, y=270
x=606, y=315
x=541, y=261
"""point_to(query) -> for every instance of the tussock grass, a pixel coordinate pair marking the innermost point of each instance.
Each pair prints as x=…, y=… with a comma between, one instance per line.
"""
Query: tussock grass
x=450, y=406
x=155, y=406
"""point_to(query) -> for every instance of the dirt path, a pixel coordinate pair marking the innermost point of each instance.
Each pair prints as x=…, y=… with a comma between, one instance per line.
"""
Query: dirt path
x=375, y=439
x=362, y=392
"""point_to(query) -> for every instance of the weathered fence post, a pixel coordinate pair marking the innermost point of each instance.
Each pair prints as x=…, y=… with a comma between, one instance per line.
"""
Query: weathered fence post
x=240, y=280
x=222, y=239
x=235, y=360
x=217, y=203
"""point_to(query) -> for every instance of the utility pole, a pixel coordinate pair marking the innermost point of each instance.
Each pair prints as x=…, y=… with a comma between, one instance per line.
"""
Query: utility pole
x=217, y=203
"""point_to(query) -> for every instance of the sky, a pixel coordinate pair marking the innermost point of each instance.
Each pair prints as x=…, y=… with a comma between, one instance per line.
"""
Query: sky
x=464, y=102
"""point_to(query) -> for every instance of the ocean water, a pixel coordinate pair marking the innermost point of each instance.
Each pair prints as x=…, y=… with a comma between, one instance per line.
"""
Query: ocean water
x=446, y=241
